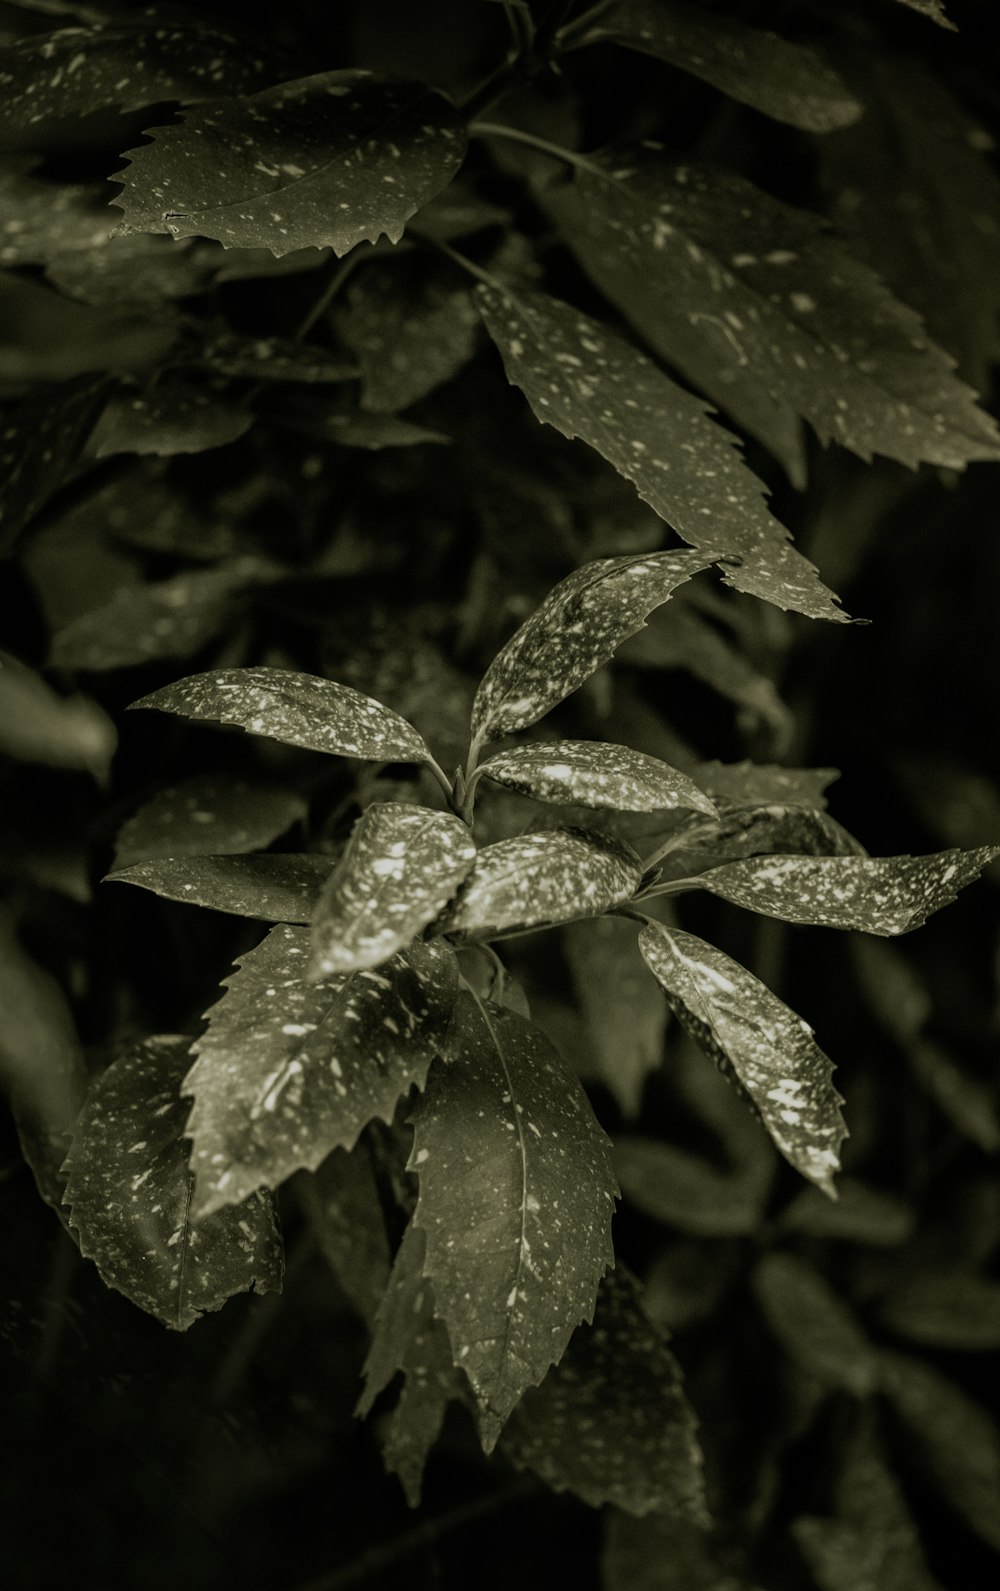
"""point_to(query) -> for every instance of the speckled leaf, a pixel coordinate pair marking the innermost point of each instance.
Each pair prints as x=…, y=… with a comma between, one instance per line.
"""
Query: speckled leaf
x=298, y=709
x=813, y=1324
x=288, y=1070
x=41, y=439
x=210, y=814
x=876, y=894
x=550, y=877
x=944, y=1307
x=594, y=774
x=411, y=329
x=625, y=1016
x=760, y=1045
x=516, y=1199
x=139, y=272
x=401, y=867
x=343, y=1207
x=129, y=1189
x=36, y=725
x=772, y=293
x=759, y=831
x=932, y=9
x=276, y=889
x=322, y=161
x=40, y=219
x=170, y=418
x=949, y=1438
x=750, y=784
x=273, y=358
x=128, y=64
x=588, y=382
x=610, y=1421
x=577, y=628
x=784, y=80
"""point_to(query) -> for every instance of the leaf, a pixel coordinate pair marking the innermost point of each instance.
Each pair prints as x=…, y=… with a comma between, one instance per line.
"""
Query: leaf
x=814, y=1325
x=543, y=878
x=126, y=65
x=288, y=1070
x=758, y=1043
x=933, y=9
x=772, y=293
x=411, y=329
x=135, y=272
x=40, y=219
x=342, y=1205
x=758, y=831
x=944, y=1307
x=322, y=161
x=401, y=867
x=215, y=814
x=272, y=358
x=624, y=1015
x=45, y=337
x=878, y=895
x=685, y=1190
x=662, y=1553
x=297, y=709
x=36, y=725
x=282, y=889
x=516, y=1199
x=587, y=382
x=577, y=628
x=949, y=1438
x=783, y=80
x=861, y=1215
x=171, y=418
x=156, y=619
x=610, y=1421
x=594, y=774
x=741, y=784
x=129, y=1191
x=41, y=440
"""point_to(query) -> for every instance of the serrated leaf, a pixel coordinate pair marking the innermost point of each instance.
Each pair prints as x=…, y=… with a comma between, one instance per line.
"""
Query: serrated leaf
x=588, y=382
x=279, y=889
x=944, y=1307
x=625, y=1017
x=610, y=1421
x=40, y=219
x=298, y=709
x=401, y=867
x=172, y=417
x=814, y=1325
x=934, y=10
x=36, y=725
x=41, y=440
x=214, y=814
x=411, y=330
x=129, y=1192
x=686, y=1190
x=949, y=1438
x=341, y=1202
x=772, y=293
x=581, y=623
x=322, y=161
x=127, y=64
x=760, y=1045
x=781, y=79
x=594, y=774
x=875, y=894
x=516, y=1199
x=551, y=877
x=749, y=784
x=134, y=272
x=288, y=1070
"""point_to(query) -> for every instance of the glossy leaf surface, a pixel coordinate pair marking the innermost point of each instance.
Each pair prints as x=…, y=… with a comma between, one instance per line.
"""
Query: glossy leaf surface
x=551, y=877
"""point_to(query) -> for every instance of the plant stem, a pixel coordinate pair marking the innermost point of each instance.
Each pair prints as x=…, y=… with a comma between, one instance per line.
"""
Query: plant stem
x=569, y=157
x=330, y=291
x=572, y=35
x=442, y=778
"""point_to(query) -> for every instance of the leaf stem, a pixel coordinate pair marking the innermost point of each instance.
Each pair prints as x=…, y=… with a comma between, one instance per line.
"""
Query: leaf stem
x=569, y=157
x=572, y=35
x=676, y=886
x=330, y=291
x=442, y=778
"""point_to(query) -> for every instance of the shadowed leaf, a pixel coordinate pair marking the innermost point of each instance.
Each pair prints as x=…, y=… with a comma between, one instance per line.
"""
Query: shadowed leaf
x=550, y=877
x=750, y=784
x=411, y=330
x=36, y=725
x=171, y=418
x=211, y=814
x=41, y=439
x=342, y=1205
x=595, y=774
x=278, y=889
x=625, y=1016
x=40, y=219
x=814, y=1325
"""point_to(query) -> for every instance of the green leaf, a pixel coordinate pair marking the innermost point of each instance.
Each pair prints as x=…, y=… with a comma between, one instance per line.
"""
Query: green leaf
x=412, y=328
x=610, y=1421
x=595, y=774
x=36, y=725
x=172, y=417
x=516, y=1199
x=127, y=64
x=298, y=709
x=760, y=1045
x=687, y=1191
x=288, y=1070
x=577, y=628
x=814, y=1325
x=214, y=814
x=342, y=1205
x=772, y=293
x=129, y=1189
x=536, y=879
x=401, y=867
x=624, y=1015
x=324, y=161
x=279, y=889
x=750, y=784
x=40, y=219
x=41, y=440
x=944, y=1307
x=588, y=382
x=783, y=80
x=876, y=894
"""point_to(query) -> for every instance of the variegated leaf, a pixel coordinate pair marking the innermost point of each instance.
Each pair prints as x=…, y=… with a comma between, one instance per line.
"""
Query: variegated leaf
x=595, y=774
x=278, y=889
x=535, y=879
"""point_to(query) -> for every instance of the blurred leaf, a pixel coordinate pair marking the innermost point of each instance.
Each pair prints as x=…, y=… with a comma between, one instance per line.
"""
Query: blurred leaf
x=594, y=774
x=932, y=9
x=685, y=1190
x=138, y=272
x=814, y=1325
x=401, y=867
x=46, y=337
x=412, y=329
x=342, y=422
x=758, y=831
x=272, y=358
x=129, y=1189
x=281, y=889
x=588, y=382
x=288, y=1070
x=342, y=1205
x=41, y=219
x=41, y=439
x=625, y=1016
x=36, y=725
x=516, y=1199
x=967, y=1102
x=860, y=1215
x=758, y=1043
x=214, y=814
x=171, y=418
x=662, y=1553
x=953, y=800
x=944, y=1307
x=760, y=69
x=610, y=1421
x=742, y=784
x=539, y=879
x=321, y=161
